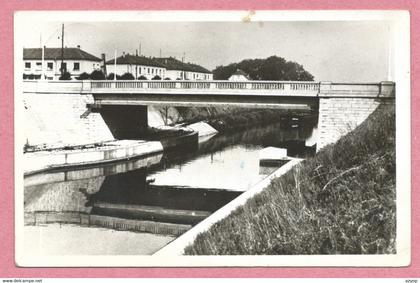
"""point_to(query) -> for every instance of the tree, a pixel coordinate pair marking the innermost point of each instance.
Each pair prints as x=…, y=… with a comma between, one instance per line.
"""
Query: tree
x=97, y=75
x=167, y=79
x=156, y=78
x=83, y=76
x=65, y=76
x=272, y=68
x=126, y=76
x=111, y=76
x=143, y=78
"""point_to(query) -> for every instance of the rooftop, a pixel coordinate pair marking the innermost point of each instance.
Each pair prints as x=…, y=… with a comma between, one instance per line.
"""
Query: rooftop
x=173, y=64
x=71, y=53
x=239, y=72
x=135, y=60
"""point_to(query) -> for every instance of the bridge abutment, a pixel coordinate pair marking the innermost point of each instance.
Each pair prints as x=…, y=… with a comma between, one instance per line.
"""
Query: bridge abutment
x=342, y=109
x=54, y=120
x=125, y=121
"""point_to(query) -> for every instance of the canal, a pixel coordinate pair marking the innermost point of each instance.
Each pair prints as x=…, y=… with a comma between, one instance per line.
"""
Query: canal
x=138, y=206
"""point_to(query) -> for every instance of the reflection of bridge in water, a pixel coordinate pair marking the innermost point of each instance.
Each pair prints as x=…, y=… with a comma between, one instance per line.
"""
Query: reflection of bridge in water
x=123, y=201
x=119, y=195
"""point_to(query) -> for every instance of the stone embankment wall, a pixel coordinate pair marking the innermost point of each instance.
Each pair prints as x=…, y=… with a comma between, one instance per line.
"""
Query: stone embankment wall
x=339, y=116
x=343, y=107
x=54, y=120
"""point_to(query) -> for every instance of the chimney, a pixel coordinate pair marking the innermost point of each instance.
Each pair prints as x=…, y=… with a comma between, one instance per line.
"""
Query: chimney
x=78, y=46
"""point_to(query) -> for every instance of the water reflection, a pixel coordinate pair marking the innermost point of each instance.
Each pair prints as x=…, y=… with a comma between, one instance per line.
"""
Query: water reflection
x=231, y=161
x=164, y=194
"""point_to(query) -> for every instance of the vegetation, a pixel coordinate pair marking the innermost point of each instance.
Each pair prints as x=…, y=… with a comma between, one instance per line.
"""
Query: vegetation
x=97, y=75
x=65, y=76
x=226, y=118
x=31, y=77
x=342, y=201
x=271, y=68
x=111, y=76
x=84, y=76
x=126, y=76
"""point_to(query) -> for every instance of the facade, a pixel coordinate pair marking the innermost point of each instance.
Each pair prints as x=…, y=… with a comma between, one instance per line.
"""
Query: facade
x=140, y=67
x=75, y=61
x=178, y=70
x=239, y=76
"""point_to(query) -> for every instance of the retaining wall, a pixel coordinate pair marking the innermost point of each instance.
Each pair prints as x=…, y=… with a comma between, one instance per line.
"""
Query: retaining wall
x=339, y=116
x=54, y=120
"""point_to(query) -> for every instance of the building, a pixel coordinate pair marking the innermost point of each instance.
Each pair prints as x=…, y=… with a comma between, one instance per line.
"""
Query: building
x=140, y=67
x=75, y=61
x=178, y=70
x=239, y=76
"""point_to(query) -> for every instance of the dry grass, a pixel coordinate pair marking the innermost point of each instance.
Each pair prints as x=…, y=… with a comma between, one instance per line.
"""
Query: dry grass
x=342, y=201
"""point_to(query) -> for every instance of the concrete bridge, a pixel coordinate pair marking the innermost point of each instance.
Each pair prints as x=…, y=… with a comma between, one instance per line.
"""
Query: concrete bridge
x=123, y=104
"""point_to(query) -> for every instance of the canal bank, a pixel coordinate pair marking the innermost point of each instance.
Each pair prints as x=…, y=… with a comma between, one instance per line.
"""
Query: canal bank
x=342, y=201
x=157, y=139
x=111, y=151
x=162, y=194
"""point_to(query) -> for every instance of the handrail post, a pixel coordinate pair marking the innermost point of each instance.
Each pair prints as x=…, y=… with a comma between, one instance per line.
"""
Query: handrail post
x=86, y=85
x=386, y=89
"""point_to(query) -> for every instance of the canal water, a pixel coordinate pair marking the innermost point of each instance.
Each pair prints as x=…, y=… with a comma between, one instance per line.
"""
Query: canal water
x=138, y=206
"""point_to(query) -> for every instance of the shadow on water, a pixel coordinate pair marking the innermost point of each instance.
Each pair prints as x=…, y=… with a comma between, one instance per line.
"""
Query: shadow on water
x=292, y=136
x=125, y=196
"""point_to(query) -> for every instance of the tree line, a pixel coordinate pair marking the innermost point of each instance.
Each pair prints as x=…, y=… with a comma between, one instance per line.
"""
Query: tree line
x=272, y=68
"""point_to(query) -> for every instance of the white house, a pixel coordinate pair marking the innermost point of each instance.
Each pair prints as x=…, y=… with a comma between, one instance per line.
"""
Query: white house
x=178, y=70
x=75, y=61
x=139, y=66
x=238, y=76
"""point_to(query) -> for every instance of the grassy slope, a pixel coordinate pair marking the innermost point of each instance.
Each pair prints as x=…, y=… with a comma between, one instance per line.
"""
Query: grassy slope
x=226, y=118
x=342, y=201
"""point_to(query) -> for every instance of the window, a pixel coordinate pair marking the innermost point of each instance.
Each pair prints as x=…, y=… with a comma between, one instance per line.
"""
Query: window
x=76, y=66
x=49, y=66
x=153, y=71
x=38, y=65
x=27, y=65
x=63, y=66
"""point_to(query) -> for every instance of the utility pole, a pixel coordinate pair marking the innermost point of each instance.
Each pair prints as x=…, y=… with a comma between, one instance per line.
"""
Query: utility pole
x=183, y=71
x=62, y=50
x=160, y=53
x=42, y=58
x=115, y=65
x=137, y=54
x=390, y=47
x=140, y=48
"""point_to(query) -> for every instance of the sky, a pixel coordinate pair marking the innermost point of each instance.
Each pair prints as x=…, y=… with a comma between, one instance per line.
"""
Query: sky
x=337, y=51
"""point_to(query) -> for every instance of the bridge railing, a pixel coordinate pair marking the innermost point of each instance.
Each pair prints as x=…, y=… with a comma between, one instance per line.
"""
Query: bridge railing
x=382, y=89
x=297, y=88
x=221, y=85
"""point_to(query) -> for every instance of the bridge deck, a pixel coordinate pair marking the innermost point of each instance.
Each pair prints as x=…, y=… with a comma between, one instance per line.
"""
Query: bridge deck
x=265, y=94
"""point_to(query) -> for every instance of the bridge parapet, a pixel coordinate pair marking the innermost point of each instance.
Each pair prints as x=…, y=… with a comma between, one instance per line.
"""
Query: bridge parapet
x=214, y=87
x=367, y=90
x=272, y=88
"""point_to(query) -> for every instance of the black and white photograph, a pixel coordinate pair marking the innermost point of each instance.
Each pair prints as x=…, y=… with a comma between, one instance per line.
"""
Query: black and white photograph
x=212, y=138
